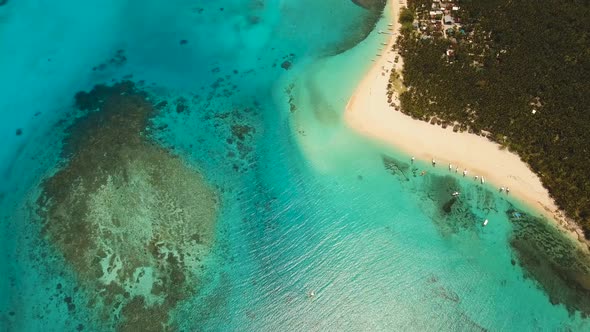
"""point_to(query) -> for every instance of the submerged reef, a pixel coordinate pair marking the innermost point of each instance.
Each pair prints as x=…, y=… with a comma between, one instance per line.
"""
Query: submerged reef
x=367, y=25
x=396, y=167
x=118, y=60
x=134, y=221
x=453, y=214
x=450, y=214
x=370, y=4
x=554, y=261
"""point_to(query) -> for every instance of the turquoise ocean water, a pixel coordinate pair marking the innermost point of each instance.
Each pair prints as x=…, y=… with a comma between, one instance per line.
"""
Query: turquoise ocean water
x=306, y=206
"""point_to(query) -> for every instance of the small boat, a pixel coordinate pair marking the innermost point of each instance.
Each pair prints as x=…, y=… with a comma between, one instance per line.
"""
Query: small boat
x=483, y=180
x=456, y=193
x=485, y=222
x=311, y=294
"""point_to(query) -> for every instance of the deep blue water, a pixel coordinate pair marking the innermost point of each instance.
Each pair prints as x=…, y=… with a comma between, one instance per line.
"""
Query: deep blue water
x=305, y=205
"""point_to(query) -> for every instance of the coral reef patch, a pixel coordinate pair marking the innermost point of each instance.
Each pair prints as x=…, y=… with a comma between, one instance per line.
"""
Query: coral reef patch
x=370, y=4
x=453, y=213
x=396, y=168
x=134, y=221
x=374, y=11
x=555, y=262
x=118, y=60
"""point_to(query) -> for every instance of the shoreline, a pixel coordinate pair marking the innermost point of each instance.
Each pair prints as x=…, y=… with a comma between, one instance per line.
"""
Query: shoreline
x=369, y=114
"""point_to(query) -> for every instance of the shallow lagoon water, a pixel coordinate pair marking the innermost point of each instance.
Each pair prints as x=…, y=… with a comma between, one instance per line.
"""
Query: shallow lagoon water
x=305, y=204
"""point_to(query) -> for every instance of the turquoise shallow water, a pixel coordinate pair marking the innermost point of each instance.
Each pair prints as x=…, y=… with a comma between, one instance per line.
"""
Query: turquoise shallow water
x=306, y=205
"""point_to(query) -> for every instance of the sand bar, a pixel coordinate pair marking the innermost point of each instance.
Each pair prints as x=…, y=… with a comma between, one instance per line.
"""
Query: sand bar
x=369, y=113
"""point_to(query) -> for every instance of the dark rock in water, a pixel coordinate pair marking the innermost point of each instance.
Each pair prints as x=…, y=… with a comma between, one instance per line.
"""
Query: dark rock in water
x=119, y=59
x=180, y=108
x=183, y=42
x=242, y=131
x=368, y=24
x=181, y=105
x=19, y=132
x=3, y=2
x=370, y=4
x=286, y=65
x=449, y=205
x=395, y=167
x=69, y=302
x=161, y=105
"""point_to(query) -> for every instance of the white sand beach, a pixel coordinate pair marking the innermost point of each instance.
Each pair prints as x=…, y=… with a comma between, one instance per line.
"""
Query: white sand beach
x=369, y=113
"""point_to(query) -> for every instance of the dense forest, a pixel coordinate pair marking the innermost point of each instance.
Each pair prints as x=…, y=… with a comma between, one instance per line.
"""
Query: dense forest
x=517, y=72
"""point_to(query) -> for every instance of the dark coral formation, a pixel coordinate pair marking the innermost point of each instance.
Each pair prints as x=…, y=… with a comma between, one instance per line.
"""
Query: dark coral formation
x=367, y=25
x=181, y=105
x=286, y=65
x=134, y=221
x=453, y=215
x=286, y=61
x=119, y=59
x=289, y=92
x=396, y=168
x=370, y=4
x=554, y=261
